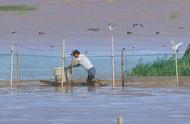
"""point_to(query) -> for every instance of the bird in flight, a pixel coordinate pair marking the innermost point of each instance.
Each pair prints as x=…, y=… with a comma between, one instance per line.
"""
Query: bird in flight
x=163, y=45
x=129, y=33
x=138, y=25
x=94, y=29
x=52, y=46
x=135, y=25
x=141, y=25
x=157, y=33
x=131, y=47
x=13, y=32
x=41, y=33
x=181, y=28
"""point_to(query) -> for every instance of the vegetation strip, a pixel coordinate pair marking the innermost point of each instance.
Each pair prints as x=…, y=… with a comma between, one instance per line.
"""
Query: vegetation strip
x=17, y=8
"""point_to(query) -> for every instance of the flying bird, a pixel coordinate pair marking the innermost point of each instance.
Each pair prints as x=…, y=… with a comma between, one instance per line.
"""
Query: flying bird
x=135, y=25
x=175, y=46
x=141, y=25
x=13, y=32
x=138, y=25
x=157, y=33
x=163, y=45
x=131, y=47
x=129, y=33
x=181, y=28
x=94, y=29
x=41, y=33
x=52, y=46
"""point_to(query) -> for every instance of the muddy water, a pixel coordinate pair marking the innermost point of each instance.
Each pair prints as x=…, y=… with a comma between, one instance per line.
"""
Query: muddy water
x=85, y=105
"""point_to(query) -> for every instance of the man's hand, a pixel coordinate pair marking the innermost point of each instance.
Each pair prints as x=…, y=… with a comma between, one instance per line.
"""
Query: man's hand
x=66, y=68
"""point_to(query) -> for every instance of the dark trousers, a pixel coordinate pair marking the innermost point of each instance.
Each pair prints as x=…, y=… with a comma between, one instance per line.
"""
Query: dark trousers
x=91, y=74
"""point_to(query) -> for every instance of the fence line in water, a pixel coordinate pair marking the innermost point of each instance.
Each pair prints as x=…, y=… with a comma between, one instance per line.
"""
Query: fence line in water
x=41, y=67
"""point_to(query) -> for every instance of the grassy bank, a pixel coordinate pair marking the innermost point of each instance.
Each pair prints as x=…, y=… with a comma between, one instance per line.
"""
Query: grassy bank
x=163, y=66
x=17, y=8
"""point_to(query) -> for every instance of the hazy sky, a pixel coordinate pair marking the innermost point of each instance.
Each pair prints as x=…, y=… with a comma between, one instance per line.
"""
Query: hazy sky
x=70, y=19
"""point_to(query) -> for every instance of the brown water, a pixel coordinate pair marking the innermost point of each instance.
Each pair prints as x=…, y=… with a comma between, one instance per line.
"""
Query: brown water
x=84, y=105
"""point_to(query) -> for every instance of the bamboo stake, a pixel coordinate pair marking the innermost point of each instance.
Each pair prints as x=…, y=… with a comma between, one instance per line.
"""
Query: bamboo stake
x=62, y=65
x=18, y=70
x=71, y=74
x=122, y=67
x=11, y=65
x=177, y=72
x=112, y=51
x=119, y=120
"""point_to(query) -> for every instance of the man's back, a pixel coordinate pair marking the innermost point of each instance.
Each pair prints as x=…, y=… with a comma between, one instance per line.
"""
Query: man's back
x=84, y=61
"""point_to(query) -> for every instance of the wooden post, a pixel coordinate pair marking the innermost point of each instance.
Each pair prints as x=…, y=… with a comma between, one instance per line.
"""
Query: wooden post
x=11, y=65
x=71, y=74
x=18, y=69
x=122, y=67
x=112, y=56
x=62, y=65
x=177, y=73
x=119, y=120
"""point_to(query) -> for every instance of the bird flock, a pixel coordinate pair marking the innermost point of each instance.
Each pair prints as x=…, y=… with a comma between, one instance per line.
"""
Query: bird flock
x=127, y=32
x=138, y=26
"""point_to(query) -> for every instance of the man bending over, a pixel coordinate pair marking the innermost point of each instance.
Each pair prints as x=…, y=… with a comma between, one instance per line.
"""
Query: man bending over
x=80, y=59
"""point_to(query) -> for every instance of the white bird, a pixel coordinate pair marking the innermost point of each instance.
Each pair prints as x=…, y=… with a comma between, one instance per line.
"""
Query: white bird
x=111, y=26
x=175, y=46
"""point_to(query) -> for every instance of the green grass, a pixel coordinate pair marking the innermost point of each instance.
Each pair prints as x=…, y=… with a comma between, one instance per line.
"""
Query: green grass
x=17, y=8
x=163, y=66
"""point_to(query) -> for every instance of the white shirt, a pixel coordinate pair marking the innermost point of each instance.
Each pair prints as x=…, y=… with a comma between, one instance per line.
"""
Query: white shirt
x=83, y=61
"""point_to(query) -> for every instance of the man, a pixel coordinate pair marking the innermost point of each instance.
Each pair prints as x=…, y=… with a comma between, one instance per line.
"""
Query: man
x=80, y=59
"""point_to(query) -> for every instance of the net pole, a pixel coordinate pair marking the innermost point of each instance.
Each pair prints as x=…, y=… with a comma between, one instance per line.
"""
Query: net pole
x=112, y=56
x=11, y=65
x=177, y=73
x=18, y=68
x=62, y=64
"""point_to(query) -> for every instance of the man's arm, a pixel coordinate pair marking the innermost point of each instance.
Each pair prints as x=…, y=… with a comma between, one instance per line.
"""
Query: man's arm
x=74, y=63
